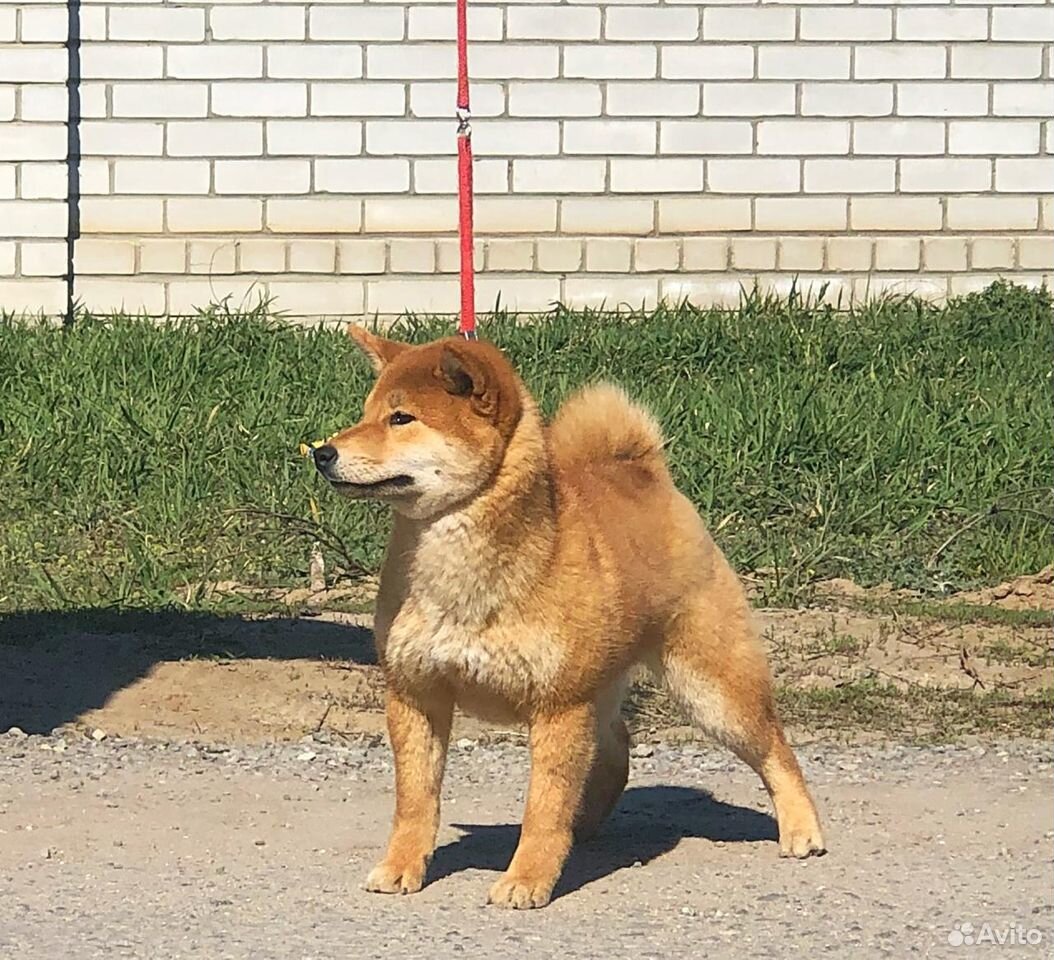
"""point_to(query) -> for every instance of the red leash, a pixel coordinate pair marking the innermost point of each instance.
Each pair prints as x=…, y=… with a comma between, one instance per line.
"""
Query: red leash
x=467, y=324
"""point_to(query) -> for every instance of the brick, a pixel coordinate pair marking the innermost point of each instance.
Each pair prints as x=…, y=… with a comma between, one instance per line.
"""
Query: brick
x=945, y=175
x=413, y=61
x=706, y=137
x=33, y=297
x=43, y=259
x=213, y=257
x=526, y=138
x=609, y=136
x=335, y=298
x=162, y=256
x=533, y=294
x=942, y=100
x=994, y=61
x=7, y=259
x=895, y=213
x=141, y=297
x=792, y=214
x=562, y=99
x=642, y=23
x=431, y=99
x=930, y=23
x=263, y=176
x=163, y=177
x=214, y=215
x=115, y=138
x=389, y=175
x=361, y=256
x=656, y=176
x=1022, y=23
x=704, y=215
x=7, y=181
x=1016, y=175
x=993, y=137
x=31, y=218
x=32, y=141
x=409, y=137
x=312, y=256
x=119, y=61
x=515, y=215
x=559, y=176
x=8, y=24
x=607, y=215
x=260, y=23
x=705, y=253
x=993, y=213
x=121, y=215
x=610, y=61
x=448, y=254
x=702, y=291
x=812, y=62
x=801, y=253
x=438, y=23
x=649, y=99
x=394, y=297
x=218, y=61
x=362, y=99
x=93, y=101
x=50, y=25
x=850, y=176
x=974, y=283
x=157, y=24
x=355, y=23
x=849, y=253
x=214, y=138
x=559, y=255
x=753, y=23
x=876, y=287
x=314, y=61
x=314, y=137
x=264, y=99
x=411, y=256
x=898, y=137
x=1022, y=99
x=411, y=215
x=1035, y=253
x=261, y=256
x=440, y=176
x=753, y=253
x=753, y=175
x=187, y=296
x=28, y=65
x=148, y=100
x=508, y=61
x=7, y=103
x=993, y=253
x=608, y=255
x=611, y=293
x=552, y=23
x=846, y=23
x=42, y=181
x=653, y=255
x=748, y=99
x=803, y=137
x=894, y=61
x=853, y=99
x=510, y=255
x=944, y=253
x=897, y=253
x=705, y=62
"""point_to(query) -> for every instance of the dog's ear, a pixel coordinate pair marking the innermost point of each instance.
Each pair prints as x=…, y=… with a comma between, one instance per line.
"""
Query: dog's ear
x=378, y=350
x=465, y=375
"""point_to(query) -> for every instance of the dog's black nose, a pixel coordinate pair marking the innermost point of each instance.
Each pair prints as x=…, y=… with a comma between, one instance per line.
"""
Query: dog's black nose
x=325, y=456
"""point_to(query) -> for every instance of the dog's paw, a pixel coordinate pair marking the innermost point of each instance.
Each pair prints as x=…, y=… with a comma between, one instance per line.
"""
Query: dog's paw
x=803, y=841
x=521, y=892
x=388, y=877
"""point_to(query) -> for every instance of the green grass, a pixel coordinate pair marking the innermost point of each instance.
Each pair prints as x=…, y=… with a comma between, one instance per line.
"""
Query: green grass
x=896, y=441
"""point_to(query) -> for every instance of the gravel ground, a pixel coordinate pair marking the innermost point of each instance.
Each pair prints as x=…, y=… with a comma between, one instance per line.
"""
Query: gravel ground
x=129, y=848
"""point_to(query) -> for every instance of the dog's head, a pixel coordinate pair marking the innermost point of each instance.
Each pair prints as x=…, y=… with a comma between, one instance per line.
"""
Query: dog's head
x=434, y=428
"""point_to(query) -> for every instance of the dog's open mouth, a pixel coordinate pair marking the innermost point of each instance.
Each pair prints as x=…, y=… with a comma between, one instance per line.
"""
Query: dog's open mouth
x=396, y=482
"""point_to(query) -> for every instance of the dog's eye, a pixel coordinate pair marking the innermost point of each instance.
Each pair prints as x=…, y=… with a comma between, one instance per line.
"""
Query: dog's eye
x=399, y=419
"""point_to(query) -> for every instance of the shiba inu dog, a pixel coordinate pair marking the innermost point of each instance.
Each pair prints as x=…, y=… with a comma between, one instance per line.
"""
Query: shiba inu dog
x=530, y=568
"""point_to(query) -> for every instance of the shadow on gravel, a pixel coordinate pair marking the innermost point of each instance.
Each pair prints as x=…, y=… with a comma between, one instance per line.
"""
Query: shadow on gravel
x=54, y=666
x=648, y=822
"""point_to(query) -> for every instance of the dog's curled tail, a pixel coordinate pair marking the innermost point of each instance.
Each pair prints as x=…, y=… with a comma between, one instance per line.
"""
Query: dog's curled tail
x=601, y=423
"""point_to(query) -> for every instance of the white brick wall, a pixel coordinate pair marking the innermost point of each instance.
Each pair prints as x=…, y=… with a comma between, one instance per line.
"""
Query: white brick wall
x=291, y=145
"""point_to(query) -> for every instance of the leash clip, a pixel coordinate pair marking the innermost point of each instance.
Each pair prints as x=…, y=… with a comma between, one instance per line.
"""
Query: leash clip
x=464, y=122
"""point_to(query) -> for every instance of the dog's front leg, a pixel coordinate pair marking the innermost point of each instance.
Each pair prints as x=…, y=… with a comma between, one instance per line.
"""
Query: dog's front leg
x=419, y=731
x=562, y=748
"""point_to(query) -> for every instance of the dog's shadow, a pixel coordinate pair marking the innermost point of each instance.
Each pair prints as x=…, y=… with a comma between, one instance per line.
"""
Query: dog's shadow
x=648, y=822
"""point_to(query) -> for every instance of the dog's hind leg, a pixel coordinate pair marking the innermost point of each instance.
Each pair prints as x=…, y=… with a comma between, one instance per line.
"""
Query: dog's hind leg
x=610, y=768
x=713, y=664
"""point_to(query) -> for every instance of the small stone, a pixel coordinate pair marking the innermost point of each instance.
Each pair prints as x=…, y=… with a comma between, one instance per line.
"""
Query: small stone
x=16, y=733
x=466, y=744
x=260, y=843
x=98, y=735
x=643, y=750
x=306, y=755
x=48, y=853
x=688, y=911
